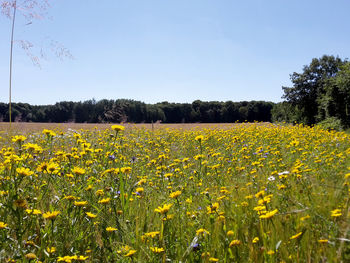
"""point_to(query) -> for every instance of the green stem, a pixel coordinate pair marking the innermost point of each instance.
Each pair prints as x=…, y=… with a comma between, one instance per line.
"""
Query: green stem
x=11, y=56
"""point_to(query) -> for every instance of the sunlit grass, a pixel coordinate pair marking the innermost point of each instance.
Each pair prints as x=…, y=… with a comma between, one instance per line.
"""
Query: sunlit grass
x=246, y=193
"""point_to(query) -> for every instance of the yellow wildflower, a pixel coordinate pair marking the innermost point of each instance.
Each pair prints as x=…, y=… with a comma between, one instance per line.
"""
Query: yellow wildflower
x=230, y=233
x=49, y=132
x=78, y=170
x=24, y=171
x=235, y=242
x=118, y=128
x=90, y=215
x=175, y=194
x=80, y=203
x=19, y=138
x=323, y=241
x=157, y=250
x=296, y=235
x=104, y=201
x=336, y=213
x=269, y=214
x=111, y=229
x=51, y=215
x=202, y=231
x=33, y=211
x=199, y=138
x=51, y=250
x=163, y=210
x=2, y=225
x=30, y=256
x=130, y=253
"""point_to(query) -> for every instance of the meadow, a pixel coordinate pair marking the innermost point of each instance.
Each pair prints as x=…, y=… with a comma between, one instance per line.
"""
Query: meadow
x=200, y=193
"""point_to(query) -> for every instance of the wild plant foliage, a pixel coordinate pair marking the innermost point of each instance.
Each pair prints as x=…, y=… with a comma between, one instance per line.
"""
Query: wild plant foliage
x=251, y=193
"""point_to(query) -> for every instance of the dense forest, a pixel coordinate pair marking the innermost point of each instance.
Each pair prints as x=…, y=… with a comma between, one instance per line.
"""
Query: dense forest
x=320, y=94
x=122, y=110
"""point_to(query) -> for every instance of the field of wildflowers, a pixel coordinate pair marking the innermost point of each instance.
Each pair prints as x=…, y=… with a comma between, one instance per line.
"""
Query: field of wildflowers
x=248, y=193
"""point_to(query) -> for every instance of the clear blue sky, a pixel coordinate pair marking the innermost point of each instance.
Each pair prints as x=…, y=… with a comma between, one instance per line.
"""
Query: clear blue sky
x=173, y=50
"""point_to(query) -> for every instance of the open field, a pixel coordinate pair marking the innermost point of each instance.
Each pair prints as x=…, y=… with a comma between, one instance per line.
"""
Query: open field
x=216, y=193
x=22, y=127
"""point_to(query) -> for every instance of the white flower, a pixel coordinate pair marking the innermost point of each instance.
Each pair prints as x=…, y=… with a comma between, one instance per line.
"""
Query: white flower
x=284, y=172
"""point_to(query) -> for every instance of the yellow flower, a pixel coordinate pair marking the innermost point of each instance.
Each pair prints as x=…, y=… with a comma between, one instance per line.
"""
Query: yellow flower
x=230, y=233
x=270, y=252
x=140, y=190
x=104, y=201
x=90, y=215
x=33, y=211
x=212, y=208
x=49, y=132
x=70, y=197
x=221, y=218
x=269, y=214
x=235, y=242
x=111, y=229
x=69, y=259
x=157, y=250
x=51, y=215
x=2, y=225
x=82, y=258
x=42, y=167
x=244, y=204
x=19, y=138
x=281, y=186
x=202, y=231
x=260, y=194
x=130, y=253
x=152, y=234
x=126, y=170
x=213, y=259
x=51, y=250
x=118, y=128
x=175, y=194
x=32, y=147
x=304, y=218
x=198, y=157
x=52, y=167
x=296, y=235
x=99, y=192
x=80, y=203
x=255, y=240
x=199, y=138
x=24, y=171
x=336, y=213
x=163, y=210
x=322, y=241
x=30, y=256
x=78, y=170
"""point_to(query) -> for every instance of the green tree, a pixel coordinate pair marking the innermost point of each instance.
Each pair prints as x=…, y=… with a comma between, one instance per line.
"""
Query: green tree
x=336, y=100
x=309, y=87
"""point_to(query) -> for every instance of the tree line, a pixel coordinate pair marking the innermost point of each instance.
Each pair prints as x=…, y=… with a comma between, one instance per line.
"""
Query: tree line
x=124, y=110
x=320, y=94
